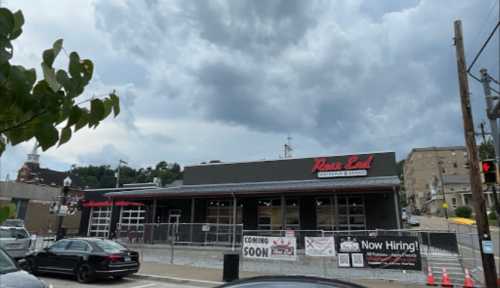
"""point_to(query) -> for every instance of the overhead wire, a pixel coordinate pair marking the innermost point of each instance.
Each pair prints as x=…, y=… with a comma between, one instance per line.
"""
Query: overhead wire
x=483, y=46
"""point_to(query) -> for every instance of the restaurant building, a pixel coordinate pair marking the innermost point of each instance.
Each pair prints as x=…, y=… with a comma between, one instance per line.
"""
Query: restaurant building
x=350, y=192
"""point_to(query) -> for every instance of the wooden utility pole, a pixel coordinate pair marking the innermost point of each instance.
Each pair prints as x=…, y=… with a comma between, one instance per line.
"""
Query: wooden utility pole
x=483, y=228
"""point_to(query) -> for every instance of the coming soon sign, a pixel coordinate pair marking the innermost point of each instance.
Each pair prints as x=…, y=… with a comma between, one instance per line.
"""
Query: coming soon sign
x=270, y=248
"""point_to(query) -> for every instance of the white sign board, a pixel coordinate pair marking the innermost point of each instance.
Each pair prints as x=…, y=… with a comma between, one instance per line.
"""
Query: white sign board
x=320, y=246
x=270, y=248
x=343, y=173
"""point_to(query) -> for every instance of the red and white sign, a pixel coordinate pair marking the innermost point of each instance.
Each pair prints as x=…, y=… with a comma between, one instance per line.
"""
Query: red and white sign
x=354, y=166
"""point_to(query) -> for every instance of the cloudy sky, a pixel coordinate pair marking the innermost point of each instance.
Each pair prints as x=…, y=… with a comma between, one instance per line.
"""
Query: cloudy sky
x=230, y=80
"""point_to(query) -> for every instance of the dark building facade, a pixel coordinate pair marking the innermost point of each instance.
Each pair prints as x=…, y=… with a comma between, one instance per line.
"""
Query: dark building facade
x=350, y=192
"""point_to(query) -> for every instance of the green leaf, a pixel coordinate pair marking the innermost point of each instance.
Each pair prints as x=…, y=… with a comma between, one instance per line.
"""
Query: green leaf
x=63, y=79
x=74, y=116
x=7, y=22
x=46, y=134
x=116, y=103
x=48, y=57
x=65, y=135
x=18, y=19
x=2, y=145
x=97, y=111
x=6, y=52
x=50, y=76
x=75, y=68
x=87, y=69
x=108, y=106
x=83, y=120
x=57, y=46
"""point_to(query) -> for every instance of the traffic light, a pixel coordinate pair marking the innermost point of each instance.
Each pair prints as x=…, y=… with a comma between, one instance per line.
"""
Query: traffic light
x=489, y=171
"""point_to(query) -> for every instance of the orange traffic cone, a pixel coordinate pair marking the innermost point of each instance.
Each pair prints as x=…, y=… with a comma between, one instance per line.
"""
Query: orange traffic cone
x=445, y=281
x=430, y=277
x=468, y=283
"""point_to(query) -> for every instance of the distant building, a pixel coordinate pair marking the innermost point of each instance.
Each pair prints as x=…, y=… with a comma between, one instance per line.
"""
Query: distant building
x=425, y=171
x=32, y=173
x=35, y=193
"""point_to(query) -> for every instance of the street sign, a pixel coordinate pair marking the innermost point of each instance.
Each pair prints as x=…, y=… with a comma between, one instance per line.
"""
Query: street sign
x=487, y=246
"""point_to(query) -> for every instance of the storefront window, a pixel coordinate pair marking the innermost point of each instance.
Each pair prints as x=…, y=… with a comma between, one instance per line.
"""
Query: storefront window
x=325, y=213
x=351, y=213
x=269, y=214
x=220, y=212
x=292, y=214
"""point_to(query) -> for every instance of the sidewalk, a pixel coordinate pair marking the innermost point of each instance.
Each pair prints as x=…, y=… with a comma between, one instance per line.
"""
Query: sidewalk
x=207, y=277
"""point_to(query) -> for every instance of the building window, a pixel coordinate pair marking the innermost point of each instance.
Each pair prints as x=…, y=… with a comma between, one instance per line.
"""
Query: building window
x=220, y=212
x=99, y=221
x=269, y=216
x=292, y=214
x=351, y=211
x=325, y=213
x=21, y=207
x=454, y=202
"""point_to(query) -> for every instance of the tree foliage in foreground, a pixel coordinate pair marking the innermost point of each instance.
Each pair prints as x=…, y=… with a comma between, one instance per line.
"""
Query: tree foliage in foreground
x=45, y=109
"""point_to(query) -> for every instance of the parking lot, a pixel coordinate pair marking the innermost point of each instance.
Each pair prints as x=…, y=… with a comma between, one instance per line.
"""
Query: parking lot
x=65, y=282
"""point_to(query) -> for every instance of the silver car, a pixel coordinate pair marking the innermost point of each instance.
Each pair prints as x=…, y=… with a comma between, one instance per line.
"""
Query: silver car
x=16, y=241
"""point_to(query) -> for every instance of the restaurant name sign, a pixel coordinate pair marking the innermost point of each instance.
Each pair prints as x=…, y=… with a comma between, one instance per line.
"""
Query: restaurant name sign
x=353, y=166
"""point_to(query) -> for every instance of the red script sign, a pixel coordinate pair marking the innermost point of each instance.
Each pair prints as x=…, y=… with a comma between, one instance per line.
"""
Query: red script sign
x=353, y=163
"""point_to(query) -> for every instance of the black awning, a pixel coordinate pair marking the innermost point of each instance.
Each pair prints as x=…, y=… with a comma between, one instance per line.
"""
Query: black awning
x=368, y=183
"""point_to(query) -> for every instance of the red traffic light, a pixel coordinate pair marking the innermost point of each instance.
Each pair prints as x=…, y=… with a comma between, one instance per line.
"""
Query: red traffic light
x=486, y=166
x=489, y=172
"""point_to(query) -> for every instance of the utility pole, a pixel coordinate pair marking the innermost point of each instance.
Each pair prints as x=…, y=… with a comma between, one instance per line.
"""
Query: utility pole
x=485, y=80
x=483, y=229
x=118, y=172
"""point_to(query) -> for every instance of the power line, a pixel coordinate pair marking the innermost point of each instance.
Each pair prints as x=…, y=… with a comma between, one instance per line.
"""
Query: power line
x=485, y=21
x=484, y=46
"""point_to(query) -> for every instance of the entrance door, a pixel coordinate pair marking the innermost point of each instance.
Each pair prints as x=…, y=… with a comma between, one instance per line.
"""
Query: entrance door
x=174, y=217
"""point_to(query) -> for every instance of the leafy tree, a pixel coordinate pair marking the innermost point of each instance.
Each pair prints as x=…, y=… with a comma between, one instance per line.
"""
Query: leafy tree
x=104, y=176
x=47, y=109
x=487, y=150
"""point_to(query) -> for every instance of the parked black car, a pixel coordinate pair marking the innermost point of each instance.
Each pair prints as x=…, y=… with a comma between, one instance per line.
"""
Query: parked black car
x=12, y=276
x=289, y=282
x=86, y=258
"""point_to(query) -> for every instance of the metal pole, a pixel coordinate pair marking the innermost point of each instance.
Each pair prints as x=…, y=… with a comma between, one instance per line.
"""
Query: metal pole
x=234, y=223
x=485, y=80
x=483, y=229
x=60, y=218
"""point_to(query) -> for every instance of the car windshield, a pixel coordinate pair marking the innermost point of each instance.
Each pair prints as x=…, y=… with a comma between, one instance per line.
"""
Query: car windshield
x=6, y=263
x=110, y=246
x=13, y=233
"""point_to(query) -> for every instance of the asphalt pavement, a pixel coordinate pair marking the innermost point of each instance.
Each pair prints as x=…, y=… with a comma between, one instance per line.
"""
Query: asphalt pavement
x=65, y=282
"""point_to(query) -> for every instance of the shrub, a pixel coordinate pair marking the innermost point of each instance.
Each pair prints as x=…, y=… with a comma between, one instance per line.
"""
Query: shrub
x=463, y=211
x=492, y=215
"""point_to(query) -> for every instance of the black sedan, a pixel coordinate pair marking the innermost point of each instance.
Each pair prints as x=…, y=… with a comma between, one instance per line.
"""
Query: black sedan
x=12, y=276
x=86, y=258
x=289, y=282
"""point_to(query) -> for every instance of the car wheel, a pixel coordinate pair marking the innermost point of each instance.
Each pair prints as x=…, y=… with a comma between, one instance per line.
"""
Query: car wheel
x=85, y=273
x=31, y=267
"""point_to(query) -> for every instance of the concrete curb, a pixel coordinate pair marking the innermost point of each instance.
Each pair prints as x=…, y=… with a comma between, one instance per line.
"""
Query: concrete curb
x=176, y=280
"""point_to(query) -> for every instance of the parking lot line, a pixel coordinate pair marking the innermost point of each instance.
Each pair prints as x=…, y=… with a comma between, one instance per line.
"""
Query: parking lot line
x=146, y=285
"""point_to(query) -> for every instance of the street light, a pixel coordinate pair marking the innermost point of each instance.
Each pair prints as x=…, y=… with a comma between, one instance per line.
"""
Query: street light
x=62, y=201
